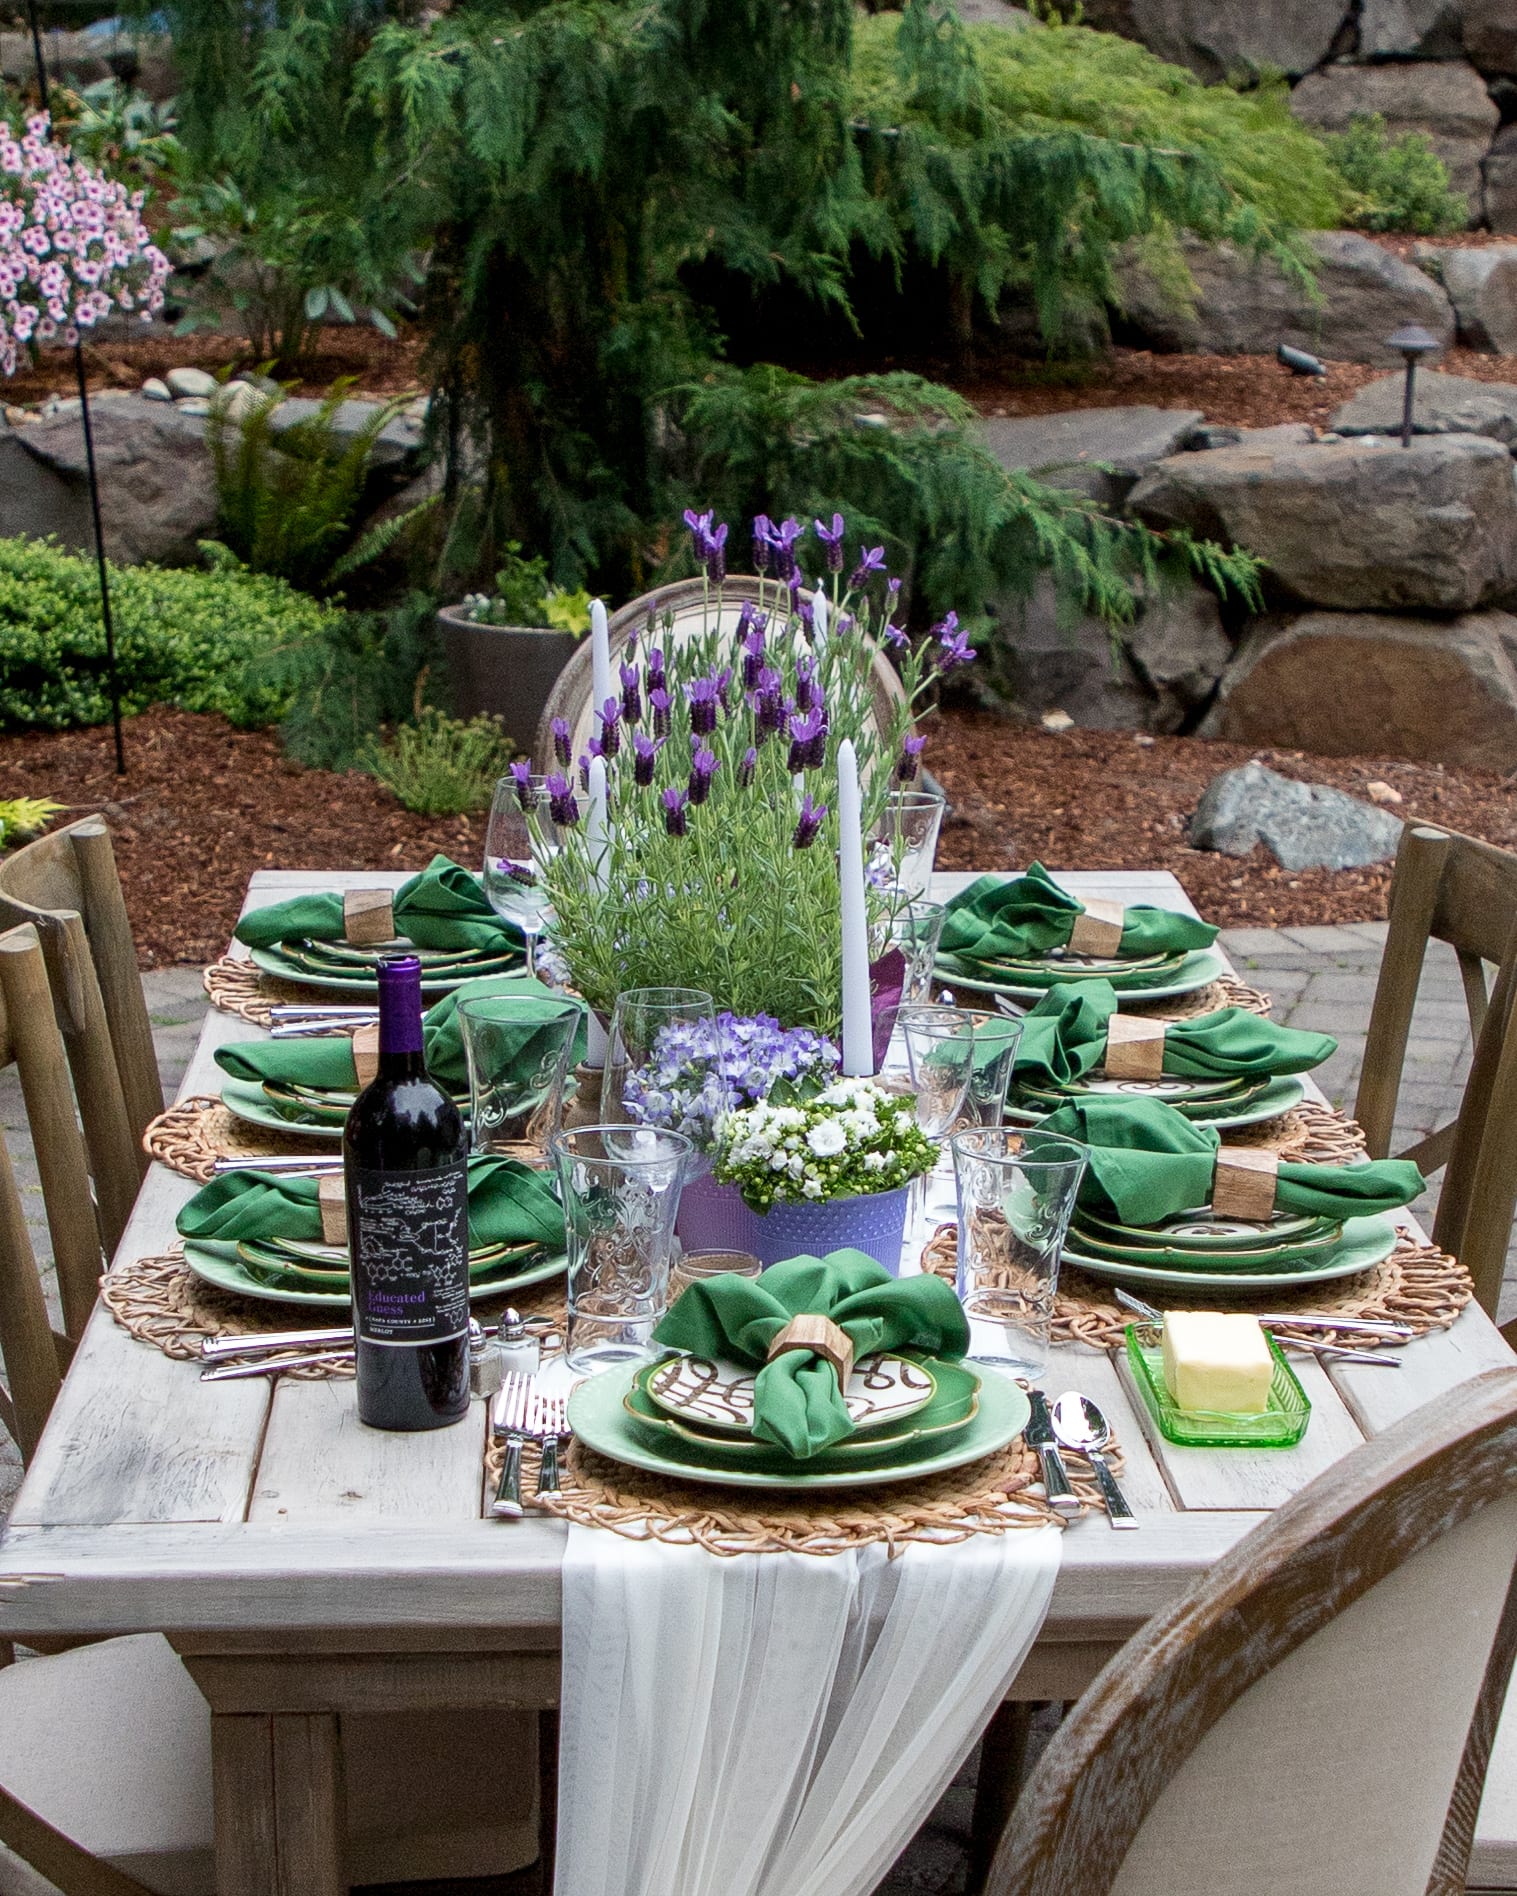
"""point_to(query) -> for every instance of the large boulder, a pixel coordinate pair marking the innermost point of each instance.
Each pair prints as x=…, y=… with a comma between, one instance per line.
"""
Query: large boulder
x=1441, y=404
x=1151, y=676
x=1221, y=38
x=1500, y=171
x=1366, y=684
x=1100, y=452
x=1410, y=29
x=1490, y=34
x=1245, y=305
x=1481, y=280
x=1303, y=825
x=1447, y=100
x=1356, y=524
x=157, y=485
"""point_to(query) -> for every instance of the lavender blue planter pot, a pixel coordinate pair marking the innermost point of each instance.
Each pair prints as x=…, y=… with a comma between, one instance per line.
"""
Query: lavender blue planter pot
x=713, y=1217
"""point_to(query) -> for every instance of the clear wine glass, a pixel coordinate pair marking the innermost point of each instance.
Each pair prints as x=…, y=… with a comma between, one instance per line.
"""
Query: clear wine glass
x=519, y=840
x=940, y=1053
x=663, y=1063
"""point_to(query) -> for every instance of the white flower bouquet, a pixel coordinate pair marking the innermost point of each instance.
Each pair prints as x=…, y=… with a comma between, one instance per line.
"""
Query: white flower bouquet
x=850, y=1140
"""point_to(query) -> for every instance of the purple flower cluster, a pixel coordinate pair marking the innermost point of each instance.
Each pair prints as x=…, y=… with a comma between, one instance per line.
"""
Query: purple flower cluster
x=710, y=543
x=701, y=1069
x=73, y=246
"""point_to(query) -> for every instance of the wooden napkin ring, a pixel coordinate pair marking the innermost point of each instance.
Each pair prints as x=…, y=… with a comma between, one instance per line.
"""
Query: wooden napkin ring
x=1097, y=930
x=366, y=1052
x=823, y=1336
x=1244, y=1183
x=368, y=916
x=1134, y=1047
x=331, y=1196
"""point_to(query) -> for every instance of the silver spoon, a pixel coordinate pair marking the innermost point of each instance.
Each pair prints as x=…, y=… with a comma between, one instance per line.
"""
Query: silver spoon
x=1081, y=1428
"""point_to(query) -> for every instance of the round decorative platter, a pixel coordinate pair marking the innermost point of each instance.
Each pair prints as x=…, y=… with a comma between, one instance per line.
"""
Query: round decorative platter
x=598, y=1417
x=719, y=1395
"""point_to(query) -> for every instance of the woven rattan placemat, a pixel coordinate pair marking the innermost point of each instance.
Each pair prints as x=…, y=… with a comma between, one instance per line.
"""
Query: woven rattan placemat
x=1223, y=992
x=237, y=987
x=195, y=1132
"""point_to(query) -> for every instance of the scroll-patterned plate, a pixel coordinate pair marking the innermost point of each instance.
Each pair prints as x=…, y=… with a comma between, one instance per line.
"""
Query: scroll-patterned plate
x=719, y=1395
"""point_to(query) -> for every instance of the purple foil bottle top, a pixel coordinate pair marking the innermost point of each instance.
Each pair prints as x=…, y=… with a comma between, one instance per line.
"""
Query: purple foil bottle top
x=399, y=1004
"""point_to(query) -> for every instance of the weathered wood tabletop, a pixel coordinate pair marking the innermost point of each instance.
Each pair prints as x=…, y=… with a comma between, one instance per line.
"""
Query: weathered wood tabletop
x=304, y=1564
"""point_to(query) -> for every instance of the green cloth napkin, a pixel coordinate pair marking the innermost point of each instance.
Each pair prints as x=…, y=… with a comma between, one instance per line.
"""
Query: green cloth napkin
x=1028, y=915
x=443, y=907
x=796, y=1400
x=328, y=1062
x=1064, y=1038
x=509, y=1203
x=1147, y=1162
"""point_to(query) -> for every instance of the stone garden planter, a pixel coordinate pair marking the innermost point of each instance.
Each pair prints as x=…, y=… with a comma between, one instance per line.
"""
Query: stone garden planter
x=507, y=670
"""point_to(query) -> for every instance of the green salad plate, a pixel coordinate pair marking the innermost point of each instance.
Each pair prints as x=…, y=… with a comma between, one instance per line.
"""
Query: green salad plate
x=1197, y=969
x=439, y=976
x=1268, y=1100
x=1364, y=1243
x=599, y=1416
x=220, y=1264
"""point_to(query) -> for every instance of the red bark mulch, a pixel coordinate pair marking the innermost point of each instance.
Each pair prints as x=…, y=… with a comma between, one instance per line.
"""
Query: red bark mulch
x=203, y=806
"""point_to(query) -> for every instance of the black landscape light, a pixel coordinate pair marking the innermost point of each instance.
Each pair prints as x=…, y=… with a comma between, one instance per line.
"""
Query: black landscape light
x=1298, y=361
x=1412, y=342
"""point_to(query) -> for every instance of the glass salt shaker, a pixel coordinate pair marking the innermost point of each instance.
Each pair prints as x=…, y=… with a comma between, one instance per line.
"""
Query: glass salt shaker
x=486, y=1372
x=518, y=1353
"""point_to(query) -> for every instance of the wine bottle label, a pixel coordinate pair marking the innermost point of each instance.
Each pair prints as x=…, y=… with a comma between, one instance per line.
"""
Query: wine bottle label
x=410, y=1252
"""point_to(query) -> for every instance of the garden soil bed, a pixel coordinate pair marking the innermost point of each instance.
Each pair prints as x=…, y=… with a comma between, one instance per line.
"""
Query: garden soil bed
x=203, y=806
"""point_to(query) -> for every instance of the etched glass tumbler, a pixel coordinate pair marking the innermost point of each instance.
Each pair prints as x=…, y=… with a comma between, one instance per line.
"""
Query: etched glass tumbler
x=517, y=1048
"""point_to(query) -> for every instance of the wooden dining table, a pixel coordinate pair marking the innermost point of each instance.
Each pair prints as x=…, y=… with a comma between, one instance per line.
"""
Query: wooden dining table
x=306, y=1567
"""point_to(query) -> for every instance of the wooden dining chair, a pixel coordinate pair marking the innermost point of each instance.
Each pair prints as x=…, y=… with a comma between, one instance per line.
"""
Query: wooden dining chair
x=35, y=1353
x=1454, y=889
x=65, y=884
x=689, y=603
x=1315, y=1715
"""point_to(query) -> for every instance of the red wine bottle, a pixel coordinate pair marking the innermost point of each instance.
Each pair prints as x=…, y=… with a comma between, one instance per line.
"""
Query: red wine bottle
x=405, y=1156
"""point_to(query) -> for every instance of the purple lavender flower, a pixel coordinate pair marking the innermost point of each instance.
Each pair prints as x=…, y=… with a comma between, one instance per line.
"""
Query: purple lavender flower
x=753, y=652
x=632, y=697
x=702, y=695
x=954, y=648
x=629, y=650
x=610, y=715
x=911, y=754
x=805, y=731
x=810, y=822
x=769, y=705
x=807, y=613
x=703, y=767
x=747, y=765
x=724, y=687
x=644, y=757
x=716, y=555
x=763, y=545
x=675, y=803
x=871, y=560
x=657, y=681
x=805, y=683
x=783, y=538
x=659, y=703
x=833, y=542
x=521, y=777
x=562, y=750
x=893, y=636
x=892, y=594
x=562, y=808
x=700, y=530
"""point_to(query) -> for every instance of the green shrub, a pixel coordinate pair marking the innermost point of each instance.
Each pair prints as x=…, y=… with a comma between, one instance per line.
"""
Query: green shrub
x=442, y=766
x=1394, y=183
x=182, y=638
x=21, y=817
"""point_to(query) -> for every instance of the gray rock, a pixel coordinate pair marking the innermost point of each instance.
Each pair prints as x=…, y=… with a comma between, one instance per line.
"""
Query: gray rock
x=1096, y=451
x=1410, y=29
x=157, y=489
x=397, y=449
x=1482, y=284
x=1446, y=100
x=1356, y=524
x=1282, y=434
x=237, y=401
x=1490, y=34
x=196, y=406
x=1302, y=825
x=191, y=382
x=1500, y=171
x=1150, y=677
x=1441, y=404
x=1220, y=38
x=1245, y=305
x=1365, y=684
x=156, y=390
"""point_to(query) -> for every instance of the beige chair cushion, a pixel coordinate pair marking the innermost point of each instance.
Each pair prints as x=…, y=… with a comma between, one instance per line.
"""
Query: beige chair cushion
x=112, y=1745
x=1332, y=1775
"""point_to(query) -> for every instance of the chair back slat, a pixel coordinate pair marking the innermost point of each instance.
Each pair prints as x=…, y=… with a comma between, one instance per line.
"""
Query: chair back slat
x=1479, y=1192
x=109, y=930
x=1413, y=908
x=1314, y=1715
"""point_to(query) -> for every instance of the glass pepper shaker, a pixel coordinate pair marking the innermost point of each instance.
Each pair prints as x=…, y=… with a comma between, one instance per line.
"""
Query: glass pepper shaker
x=518, y=1353
x=485, y=1369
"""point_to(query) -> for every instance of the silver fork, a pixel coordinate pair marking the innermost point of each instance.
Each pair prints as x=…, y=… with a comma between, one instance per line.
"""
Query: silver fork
x=549, y=1425
x=508, y=1422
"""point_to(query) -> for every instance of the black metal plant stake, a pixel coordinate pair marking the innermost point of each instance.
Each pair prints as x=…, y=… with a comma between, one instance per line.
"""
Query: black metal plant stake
x=89, y=449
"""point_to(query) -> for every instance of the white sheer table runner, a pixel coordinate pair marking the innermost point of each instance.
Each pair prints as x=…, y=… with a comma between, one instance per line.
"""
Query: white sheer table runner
x=776, y=1724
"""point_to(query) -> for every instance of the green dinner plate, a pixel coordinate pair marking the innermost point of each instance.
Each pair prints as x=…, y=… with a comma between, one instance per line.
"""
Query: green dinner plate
x=1279, y=1097
x=268, y=1255
x=1200, y=1229
x=433, y=985
x=955, y=1403
x=1293, y=1253
x=1082, y=967
x=248, y=1100
x=1366, y=1241
x=598, y=1417
x=218, y=1264
x=1171, y=1088
x=1199, y=969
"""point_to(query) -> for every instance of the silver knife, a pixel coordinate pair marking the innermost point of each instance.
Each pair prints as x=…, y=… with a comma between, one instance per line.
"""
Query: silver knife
x=1039, y=1435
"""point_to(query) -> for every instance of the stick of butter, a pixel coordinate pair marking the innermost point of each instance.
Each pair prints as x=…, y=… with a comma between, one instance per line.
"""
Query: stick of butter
x=1217, y=1362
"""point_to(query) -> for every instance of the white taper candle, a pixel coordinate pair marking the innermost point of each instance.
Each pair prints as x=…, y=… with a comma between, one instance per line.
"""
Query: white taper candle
x=858, y=1050
x=601, y=686
x=819, y=616
x=598, y=824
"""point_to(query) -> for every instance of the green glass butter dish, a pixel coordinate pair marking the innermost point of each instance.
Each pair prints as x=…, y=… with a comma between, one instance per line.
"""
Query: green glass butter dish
x=1281, y=1425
